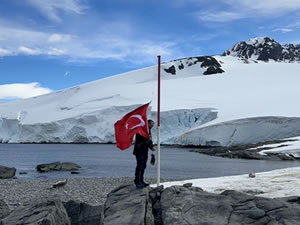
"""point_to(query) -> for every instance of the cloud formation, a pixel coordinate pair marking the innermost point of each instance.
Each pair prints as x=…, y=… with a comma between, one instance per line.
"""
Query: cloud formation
x=248, y=9
x=52, y=8
x=103, y=45
x=21, y=91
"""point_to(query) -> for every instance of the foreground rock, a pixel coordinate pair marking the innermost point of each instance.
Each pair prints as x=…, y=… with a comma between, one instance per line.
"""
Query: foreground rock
x=187, y=206
x=127, y=205
x=4, y=210
x=81, y=213
x=6, y=172
x=184, y=205
x=39, y=211
x=57, y=166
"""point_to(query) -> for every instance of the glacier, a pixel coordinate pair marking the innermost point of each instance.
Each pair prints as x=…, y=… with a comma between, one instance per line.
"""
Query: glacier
x=238, y=103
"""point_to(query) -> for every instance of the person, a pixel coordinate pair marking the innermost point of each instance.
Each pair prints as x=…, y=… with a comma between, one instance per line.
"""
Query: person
x=140, y=151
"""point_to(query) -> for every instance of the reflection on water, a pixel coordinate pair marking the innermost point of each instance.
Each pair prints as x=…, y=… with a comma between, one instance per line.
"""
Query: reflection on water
x=104, y=160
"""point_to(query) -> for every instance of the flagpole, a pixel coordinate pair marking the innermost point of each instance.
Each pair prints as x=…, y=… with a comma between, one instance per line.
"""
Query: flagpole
x=158, y=124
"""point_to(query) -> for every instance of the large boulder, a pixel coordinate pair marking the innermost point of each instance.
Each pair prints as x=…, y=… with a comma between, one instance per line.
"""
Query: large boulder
x=81, y=213
x=57, y=166
x=39, y=212
x=4, y=209
x=128, y=205
x=190, y=205
x=6, y=172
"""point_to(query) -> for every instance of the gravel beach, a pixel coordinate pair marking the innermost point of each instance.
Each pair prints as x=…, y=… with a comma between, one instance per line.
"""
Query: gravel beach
x=89, y=190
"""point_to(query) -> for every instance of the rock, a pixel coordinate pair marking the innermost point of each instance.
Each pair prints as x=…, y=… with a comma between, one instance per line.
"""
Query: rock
x=171, y=70
x=251, y=175
x=4, y=210
x=127, y=205
x=264, y=49
x=155, y=196
x=81, y=213
x=187, y=206
x=6, y=172
x=22, y=173
x=208, y=63
x=187, y=185
x=75, y=172
x=39, y=212
x=60, y=183
x=56, y=166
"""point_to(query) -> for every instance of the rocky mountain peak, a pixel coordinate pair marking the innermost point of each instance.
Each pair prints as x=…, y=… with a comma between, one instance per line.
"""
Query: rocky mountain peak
x=264, y=49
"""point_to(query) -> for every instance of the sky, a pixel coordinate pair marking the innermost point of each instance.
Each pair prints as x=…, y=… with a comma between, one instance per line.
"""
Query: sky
x=49, y=45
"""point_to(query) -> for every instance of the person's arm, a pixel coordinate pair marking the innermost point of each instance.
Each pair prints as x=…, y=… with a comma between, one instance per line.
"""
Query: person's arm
x=150, y=144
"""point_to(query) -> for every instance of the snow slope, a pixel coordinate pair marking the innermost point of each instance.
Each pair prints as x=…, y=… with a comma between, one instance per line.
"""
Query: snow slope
x=272, y=184
x=238, y=103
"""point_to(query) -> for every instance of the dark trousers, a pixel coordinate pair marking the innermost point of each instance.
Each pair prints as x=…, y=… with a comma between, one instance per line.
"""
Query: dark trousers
x=141, y=164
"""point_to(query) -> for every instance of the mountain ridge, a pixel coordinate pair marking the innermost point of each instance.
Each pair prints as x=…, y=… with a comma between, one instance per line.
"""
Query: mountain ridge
x=264, y=49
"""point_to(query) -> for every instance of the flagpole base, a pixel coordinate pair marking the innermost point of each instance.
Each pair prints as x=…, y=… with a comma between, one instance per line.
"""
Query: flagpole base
x=158, y=156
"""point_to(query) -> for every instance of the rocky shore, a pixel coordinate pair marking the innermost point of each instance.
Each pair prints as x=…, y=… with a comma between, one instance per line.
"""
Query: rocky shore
x=16, y=192
x=250, y=151
x=127, y=205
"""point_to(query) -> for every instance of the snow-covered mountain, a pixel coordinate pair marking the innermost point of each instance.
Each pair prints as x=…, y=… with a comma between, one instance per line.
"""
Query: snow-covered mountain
x=264, y=49
x=237, y=103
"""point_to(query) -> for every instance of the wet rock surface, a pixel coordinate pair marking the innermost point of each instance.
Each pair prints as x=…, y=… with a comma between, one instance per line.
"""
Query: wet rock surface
x=57, y=166
x=7, y=172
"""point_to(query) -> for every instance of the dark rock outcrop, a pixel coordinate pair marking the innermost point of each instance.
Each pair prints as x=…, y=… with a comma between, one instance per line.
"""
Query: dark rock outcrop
x=39, y=212
x=81, y=213
x=188, y=206
x=4, y=209
x=209, y=63
x=264, y=49
x=56, y=166
x=7, y=172
x=127, y=205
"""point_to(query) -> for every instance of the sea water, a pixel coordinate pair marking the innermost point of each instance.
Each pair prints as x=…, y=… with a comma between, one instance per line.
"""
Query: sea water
x=105, y=160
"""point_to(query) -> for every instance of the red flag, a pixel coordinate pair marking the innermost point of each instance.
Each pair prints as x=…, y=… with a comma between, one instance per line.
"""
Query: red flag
x=131, y=124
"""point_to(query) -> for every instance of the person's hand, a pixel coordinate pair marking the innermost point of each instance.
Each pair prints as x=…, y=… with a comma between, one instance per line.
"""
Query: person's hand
x=153, y=149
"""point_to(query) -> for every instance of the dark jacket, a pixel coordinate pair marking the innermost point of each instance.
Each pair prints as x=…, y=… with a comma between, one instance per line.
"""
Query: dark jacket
x=142, y=145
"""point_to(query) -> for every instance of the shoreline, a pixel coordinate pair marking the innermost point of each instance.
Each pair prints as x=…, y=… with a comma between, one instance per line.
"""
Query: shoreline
x=93, y=191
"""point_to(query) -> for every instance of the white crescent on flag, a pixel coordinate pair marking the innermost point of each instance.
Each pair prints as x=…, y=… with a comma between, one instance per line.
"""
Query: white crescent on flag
x=141, y=124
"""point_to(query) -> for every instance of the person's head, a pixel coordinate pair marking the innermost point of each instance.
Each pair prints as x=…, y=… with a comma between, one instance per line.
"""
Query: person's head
x=150, y=124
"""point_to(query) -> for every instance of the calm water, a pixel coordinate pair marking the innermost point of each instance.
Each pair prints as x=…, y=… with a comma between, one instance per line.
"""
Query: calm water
x=101, y=160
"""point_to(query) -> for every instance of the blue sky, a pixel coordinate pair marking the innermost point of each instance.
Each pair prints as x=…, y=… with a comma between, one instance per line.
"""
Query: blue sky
x=48, y=45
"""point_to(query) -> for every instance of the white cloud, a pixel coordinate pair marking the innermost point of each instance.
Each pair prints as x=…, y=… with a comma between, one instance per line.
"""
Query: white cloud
x=265, y=7
x=21, y=91
x=221, y=16
x=28, y=51
x=248, y=9
x=107, y=44
x=59, y=38
x=56, y=51
x=284, y=30
x=50, y=8
x=5, y=52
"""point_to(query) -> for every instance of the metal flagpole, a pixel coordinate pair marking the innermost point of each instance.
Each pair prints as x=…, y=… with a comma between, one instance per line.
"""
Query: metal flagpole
x=158, y=124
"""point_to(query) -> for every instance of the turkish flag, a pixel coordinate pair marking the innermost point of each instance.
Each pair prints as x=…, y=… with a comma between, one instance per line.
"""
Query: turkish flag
x=131, y=124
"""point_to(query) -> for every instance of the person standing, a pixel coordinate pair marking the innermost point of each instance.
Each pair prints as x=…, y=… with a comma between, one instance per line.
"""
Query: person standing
x=140, y=151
